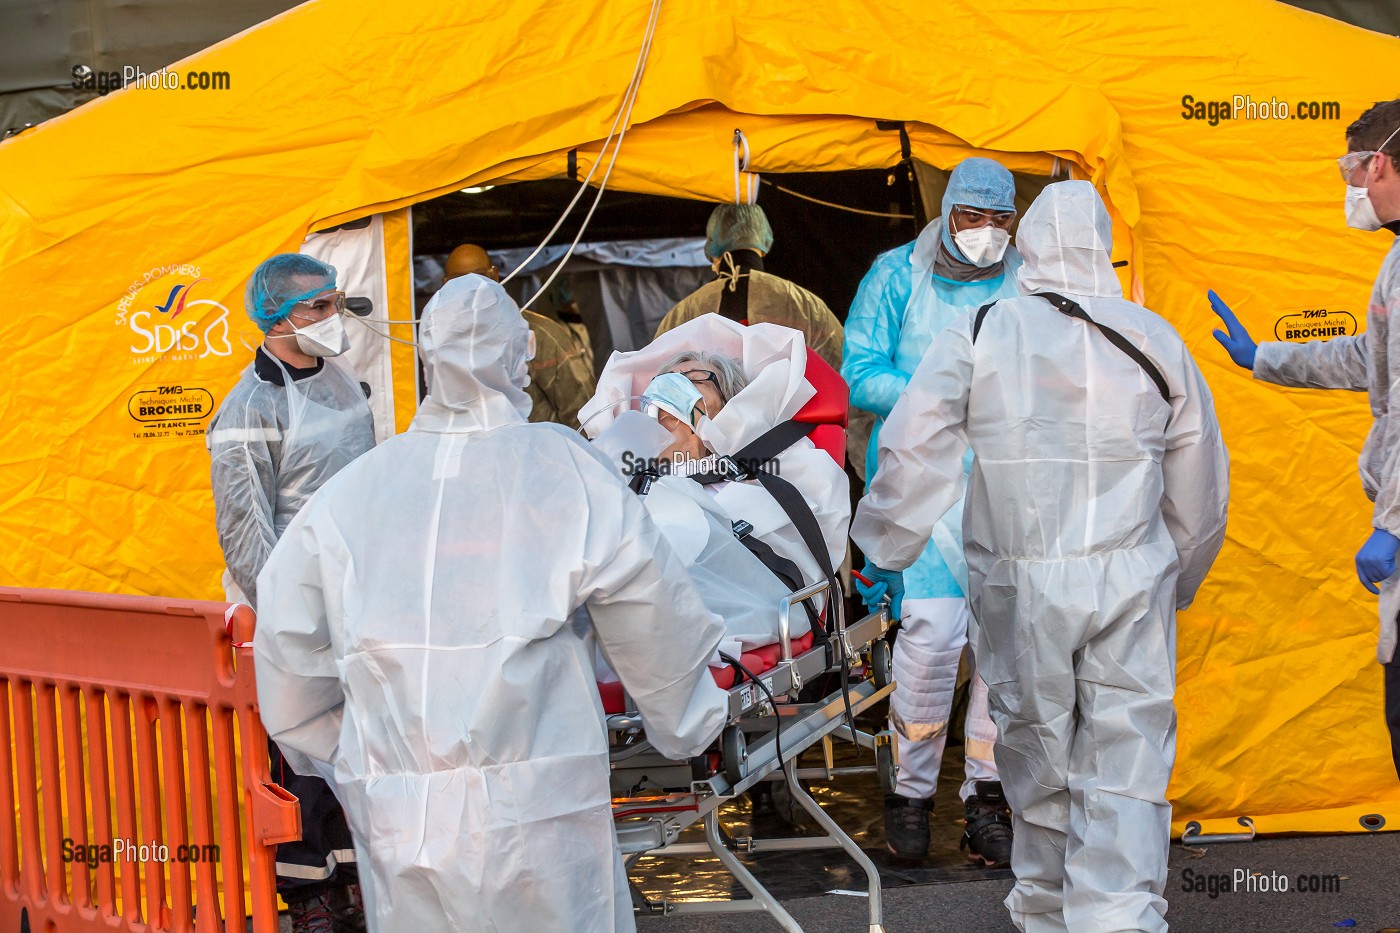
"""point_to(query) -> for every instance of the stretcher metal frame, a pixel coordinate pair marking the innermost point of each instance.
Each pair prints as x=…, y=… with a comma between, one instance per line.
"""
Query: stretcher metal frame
x=690, y=792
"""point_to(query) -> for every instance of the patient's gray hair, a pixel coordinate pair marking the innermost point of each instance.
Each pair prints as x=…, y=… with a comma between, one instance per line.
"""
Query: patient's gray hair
x=726, y=369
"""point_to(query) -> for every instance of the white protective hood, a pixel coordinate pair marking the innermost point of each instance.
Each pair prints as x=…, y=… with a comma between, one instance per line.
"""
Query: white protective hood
x=420, y=642
x=477, y=383
x=1065, y=241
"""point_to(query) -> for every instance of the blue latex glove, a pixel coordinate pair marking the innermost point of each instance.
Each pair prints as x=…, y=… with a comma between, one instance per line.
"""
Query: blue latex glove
x=1376, y=559
x=1237, y=341
x=883, y=583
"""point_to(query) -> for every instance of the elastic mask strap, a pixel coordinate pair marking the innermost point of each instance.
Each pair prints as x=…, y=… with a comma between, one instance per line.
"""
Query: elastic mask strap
x=374, y=330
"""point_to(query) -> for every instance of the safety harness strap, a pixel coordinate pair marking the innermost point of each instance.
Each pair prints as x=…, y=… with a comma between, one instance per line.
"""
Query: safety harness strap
x=781, y=567
x=745, y=465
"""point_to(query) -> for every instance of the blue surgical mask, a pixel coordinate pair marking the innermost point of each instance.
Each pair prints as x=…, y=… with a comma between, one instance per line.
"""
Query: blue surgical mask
x=675, y=394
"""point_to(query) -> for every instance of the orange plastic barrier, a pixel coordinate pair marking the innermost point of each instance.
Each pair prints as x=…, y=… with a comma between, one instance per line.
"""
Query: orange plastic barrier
x=122, y=803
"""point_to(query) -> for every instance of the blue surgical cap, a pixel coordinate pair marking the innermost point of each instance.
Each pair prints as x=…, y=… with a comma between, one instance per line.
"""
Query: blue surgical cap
x=273, y=289
x=737, y=226
x=980, y=183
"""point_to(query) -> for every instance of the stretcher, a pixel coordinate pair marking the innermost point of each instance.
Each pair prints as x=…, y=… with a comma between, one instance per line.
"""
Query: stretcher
x=769, y=727
x=772, y=719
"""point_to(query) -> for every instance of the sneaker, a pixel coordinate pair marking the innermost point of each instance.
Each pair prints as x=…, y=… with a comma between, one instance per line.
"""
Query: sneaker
x=349, y=910
x=987, y=836
x=312, y=914
x=906, y=825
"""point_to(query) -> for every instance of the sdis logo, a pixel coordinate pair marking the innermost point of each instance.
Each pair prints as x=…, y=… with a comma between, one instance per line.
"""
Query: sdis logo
x=167, y=320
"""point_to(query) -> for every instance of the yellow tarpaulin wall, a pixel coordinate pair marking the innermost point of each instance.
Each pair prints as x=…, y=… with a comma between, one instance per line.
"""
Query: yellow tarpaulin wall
x=343, y=108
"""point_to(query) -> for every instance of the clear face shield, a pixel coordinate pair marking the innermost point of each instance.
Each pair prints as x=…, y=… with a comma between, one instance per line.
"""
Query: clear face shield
x=632, y=439
x=655, y=432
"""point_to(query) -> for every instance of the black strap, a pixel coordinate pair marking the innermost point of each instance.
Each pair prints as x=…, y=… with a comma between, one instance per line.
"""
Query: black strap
x=802, y=517
x=774, y=441
x=745, y=465
x=1072, y=309
x=782, y=568
x=742, y=465
x=906, y=159
x=977, y=321
x=641, y=481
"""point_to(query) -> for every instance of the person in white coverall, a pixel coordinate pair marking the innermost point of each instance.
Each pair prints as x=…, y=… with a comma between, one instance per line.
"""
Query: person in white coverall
x=1362, y=362
x=1094, y=510
x=960, y=261
x=415, y=644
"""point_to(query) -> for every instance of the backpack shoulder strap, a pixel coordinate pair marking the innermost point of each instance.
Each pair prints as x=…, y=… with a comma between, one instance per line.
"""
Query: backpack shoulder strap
x=977, y=321
x=1073, y=309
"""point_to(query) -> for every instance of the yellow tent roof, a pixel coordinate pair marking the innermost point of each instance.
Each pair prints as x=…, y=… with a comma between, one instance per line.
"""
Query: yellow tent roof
x=341, y=108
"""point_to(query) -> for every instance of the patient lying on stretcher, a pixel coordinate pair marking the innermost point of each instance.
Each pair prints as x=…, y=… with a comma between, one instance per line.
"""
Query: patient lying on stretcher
x=696, y=406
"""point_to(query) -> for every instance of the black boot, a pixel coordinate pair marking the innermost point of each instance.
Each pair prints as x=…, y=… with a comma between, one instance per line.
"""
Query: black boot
x=312, y=914
x=987, y=836
x=349, y=908
x=906, y=825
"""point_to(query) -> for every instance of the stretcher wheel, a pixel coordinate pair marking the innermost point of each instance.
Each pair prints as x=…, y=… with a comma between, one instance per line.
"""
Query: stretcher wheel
x=736, y=754
x=881, y=663
x=885, y=767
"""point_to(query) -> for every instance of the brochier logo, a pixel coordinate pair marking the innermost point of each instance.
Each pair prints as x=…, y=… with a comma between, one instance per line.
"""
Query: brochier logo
x=1315, y=324
x=165, y=322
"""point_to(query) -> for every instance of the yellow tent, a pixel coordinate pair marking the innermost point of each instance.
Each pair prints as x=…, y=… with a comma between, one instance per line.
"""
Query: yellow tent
x=343, y=108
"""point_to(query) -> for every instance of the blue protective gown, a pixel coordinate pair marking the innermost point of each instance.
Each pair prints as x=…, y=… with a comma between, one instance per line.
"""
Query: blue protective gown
x=898, y=310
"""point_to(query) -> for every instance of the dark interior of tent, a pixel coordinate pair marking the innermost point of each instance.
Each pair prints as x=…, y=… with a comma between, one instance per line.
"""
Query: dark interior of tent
x=828, y=227
x=824, y=249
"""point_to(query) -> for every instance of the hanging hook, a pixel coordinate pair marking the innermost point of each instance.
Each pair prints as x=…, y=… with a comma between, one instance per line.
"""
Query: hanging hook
x=741, y=166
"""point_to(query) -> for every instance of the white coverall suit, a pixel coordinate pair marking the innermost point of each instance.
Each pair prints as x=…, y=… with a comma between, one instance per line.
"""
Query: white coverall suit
x=1093, y=512
x=1370, y=362
x=415, y=635
x=898, y=313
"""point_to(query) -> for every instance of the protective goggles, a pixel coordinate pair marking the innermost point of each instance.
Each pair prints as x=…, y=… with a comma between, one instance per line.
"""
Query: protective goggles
x=1352, y=161
x=968, y=216
x=319, y=307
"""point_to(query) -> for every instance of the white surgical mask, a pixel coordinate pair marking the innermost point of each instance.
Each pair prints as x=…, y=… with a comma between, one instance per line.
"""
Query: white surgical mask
x=324, y=338
x=674, y=394
x=1361, y=214
x=983, y=246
